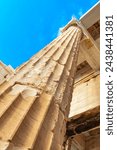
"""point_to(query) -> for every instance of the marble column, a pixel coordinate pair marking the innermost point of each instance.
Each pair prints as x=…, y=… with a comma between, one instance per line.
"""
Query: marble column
x=35, y=102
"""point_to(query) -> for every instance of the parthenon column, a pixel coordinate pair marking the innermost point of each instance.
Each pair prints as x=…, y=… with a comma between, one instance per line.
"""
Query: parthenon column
x=34, y=103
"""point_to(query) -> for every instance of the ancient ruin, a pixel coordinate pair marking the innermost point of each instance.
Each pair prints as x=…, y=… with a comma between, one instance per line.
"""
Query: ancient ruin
x=51, y=102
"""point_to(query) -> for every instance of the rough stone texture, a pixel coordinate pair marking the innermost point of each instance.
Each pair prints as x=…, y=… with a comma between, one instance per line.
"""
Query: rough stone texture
x=89, y=140
x=85, y=96
x=93, y=143
x=35, y=102
x=84, y=122
x=5, y=72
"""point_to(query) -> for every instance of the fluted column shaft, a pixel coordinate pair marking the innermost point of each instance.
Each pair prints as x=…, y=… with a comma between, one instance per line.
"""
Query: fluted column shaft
x=34, y=104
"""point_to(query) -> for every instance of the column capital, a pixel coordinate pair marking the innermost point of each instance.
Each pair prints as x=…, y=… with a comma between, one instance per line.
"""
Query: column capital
x=72, y=22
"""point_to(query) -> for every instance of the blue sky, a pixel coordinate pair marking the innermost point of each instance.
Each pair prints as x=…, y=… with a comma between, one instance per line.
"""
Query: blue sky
x=26, y=26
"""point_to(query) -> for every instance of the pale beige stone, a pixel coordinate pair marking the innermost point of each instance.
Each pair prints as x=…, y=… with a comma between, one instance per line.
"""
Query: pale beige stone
x=33, y=104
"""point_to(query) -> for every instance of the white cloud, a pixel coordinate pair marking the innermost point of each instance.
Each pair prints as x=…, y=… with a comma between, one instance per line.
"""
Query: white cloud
x=59, y=31
x=74, y=17
x=80, y=12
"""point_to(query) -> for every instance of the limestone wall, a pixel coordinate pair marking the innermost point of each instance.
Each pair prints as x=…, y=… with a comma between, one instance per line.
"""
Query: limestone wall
x=85, y=96
x=93, y=143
